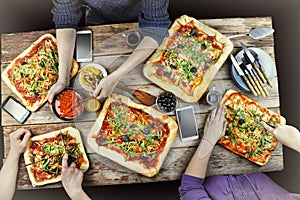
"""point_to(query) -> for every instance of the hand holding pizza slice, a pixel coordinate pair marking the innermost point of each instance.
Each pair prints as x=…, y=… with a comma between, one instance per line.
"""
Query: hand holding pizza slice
x=285, y=134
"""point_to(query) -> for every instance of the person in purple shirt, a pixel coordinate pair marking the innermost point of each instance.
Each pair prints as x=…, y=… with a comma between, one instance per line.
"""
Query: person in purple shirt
x=195, y=186
x=153, y=19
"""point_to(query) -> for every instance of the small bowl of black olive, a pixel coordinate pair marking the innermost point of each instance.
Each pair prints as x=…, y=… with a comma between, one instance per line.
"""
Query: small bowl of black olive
x=166, y=102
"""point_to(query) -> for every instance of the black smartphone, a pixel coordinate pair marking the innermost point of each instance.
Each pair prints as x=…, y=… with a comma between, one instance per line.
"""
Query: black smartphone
x=84, y=46
x=187, y=123
x=15, y=109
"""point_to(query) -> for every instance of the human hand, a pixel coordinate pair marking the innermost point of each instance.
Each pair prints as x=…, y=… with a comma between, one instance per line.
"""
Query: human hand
x=285, y=134
x=105, y=87
x=215, y=125
x=56, y=89
x=71, y=178
x=18, y=145
x=214, y=129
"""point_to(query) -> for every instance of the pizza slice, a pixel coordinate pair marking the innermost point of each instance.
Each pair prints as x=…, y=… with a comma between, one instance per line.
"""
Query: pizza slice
x=135, y=136
x=44, y=153
x=188, y=59
x=32, y=73
x=244, y=134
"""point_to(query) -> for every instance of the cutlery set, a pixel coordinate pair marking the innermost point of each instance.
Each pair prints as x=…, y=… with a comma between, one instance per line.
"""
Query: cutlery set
x=253, y=73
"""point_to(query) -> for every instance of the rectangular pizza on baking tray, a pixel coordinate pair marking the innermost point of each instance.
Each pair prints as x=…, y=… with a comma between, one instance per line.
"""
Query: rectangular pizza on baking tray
x=188, y=60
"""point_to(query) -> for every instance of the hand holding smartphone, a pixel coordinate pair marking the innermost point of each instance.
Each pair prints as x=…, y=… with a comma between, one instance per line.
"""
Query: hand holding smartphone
x=84, y=46
x=187, y=123
x=15, y=109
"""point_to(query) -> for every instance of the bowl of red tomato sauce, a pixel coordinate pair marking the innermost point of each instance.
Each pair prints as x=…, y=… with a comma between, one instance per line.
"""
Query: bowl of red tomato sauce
x=68, y=105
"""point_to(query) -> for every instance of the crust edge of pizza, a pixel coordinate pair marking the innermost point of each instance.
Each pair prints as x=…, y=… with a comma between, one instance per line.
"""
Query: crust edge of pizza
x=116, y=157
x=149, y=71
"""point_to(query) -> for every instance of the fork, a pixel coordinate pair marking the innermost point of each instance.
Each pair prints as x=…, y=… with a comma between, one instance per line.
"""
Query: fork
x=242, y=64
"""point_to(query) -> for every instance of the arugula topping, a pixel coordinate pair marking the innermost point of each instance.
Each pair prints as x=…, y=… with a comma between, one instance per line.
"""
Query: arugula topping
x=245, y=128
x=52, y=154
x=132, y=132
x=37, y=74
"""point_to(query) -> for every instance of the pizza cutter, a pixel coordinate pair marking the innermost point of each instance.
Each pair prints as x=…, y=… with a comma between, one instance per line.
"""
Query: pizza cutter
x=255, y=33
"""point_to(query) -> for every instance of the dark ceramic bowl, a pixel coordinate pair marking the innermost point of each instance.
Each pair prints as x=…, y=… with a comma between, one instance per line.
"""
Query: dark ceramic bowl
x=68, y=105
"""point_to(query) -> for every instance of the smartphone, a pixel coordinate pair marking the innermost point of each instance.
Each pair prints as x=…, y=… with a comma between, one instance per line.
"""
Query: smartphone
x=188, y=129
x=15, y=109
x=84, y=46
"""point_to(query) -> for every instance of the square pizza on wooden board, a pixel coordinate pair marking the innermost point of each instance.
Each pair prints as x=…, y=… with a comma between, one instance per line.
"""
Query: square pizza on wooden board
x=32, y=73
x=133, y=135
x=188, y=60
x=44, y=153
x=244, y=134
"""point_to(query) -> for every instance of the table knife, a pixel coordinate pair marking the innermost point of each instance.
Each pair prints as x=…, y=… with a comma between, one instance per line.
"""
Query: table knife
x=263, y=86
x=241, y=73
x=257, y=80
x=251, y=58
x=247, y=72
x=261, y=68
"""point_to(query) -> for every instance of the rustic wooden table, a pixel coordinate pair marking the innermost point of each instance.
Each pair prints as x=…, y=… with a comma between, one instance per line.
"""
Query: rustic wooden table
x=108, y=40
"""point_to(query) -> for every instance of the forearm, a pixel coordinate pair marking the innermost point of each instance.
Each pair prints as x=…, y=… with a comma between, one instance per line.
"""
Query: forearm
x=78, y=194
x=198, y=164
x=294, y=137
x=296, y=144
x=8, y=176
x=65, y=44
x=139, y=55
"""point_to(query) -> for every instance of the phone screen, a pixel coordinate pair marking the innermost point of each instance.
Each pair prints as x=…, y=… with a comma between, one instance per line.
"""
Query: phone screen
x=84, y=46
x=16, y=109
x=187, y=123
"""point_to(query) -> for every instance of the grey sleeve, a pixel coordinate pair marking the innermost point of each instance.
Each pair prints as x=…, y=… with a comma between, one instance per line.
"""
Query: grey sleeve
x=154, y=19
x=66, y=13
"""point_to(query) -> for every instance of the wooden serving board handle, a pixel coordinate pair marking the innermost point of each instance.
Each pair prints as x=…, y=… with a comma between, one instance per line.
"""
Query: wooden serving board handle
x=144, y=97
x=122, y=86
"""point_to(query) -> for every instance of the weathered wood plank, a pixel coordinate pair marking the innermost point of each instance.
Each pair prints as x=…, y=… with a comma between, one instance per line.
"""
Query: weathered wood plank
x=84, y=128
x=44, y=115
x=136, y=76
x=134, y=79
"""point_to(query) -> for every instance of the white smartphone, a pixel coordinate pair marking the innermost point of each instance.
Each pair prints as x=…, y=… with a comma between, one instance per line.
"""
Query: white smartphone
x=84, y=46
x=15, y=109
x=188, y=129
